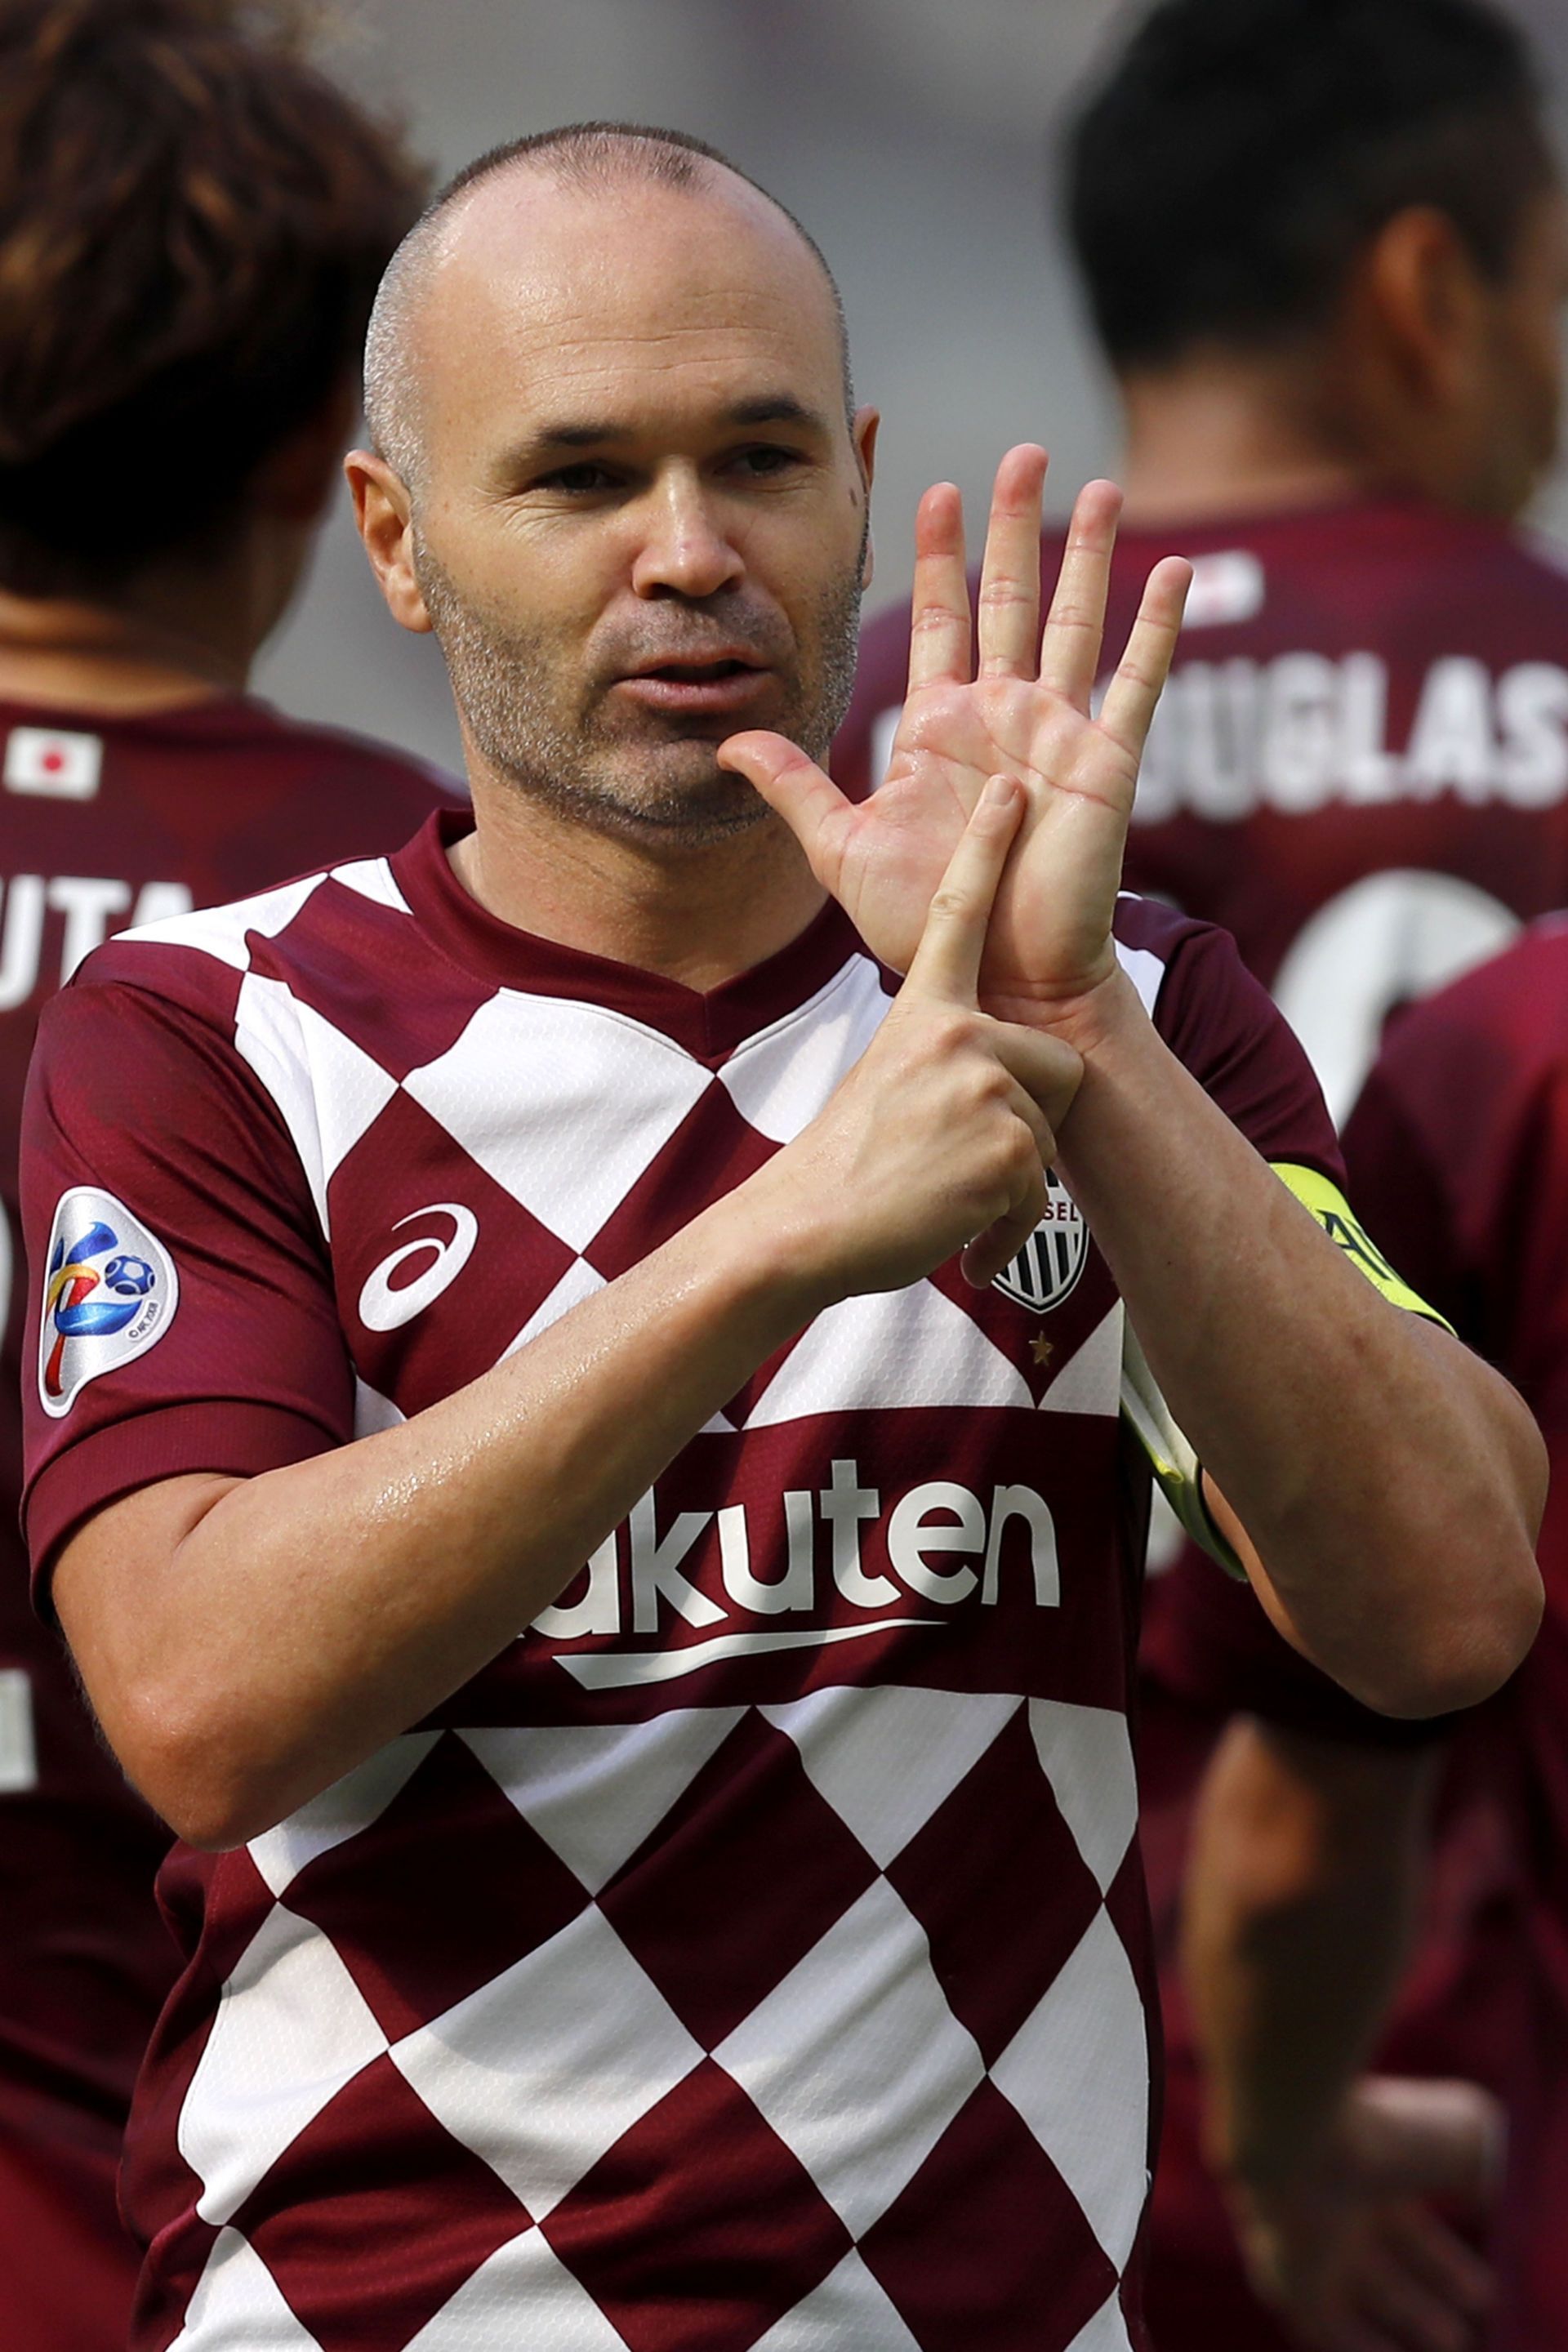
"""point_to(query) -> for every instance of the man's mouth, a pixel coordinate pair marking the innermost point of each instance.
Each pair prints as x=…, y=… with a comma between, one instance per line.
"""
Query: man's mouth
x=727, y=682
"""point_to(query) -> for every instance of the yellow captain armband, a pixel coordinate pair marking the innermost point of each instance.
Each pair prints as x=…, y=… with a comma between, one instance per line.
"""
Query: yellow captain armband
x=1327, y=1205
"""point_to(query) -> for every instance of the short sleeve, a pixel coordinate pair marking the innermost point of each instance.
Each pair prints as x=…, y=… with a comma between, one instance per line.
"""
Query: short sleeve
x=1226, y=1028
x=181, y=1310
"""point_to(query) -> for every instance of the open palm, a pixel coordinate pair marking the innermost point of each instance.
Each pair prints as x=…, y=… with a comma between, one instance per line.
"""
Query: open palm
x=1024, y=714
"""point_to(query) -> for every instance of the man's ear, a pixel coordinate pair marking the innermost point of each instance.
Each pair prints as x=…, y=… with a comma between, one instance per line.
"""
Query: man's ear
x=293, y=482
x=867, y=422
x=383, y=515
x=1416, y=282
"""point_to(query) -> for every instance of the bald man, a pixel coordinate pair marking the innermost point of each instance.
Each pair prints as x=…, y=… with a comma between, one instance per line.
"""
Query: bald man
x=575, y=1224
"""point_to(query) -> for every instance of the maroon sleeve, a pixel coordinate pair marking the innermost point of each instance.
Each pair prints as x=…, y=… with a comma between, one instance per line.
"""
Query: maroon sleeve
x=181, y=1306
x=1227, y=1031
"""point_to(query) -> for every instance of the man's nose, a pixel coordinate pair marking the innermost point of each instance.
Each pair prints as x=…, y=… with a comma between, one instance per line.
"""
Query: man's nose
x=685, y=550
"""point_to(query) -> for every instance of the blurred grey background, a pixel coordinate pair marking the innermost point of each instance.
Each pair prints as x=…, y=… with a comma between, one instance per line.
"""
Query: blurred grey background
x=915, y=138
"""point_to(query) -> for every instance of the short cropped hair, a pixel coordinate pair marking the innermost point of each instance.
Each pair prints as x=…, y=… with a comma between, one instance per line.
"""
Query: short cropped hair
x=192, y=224
x=590, y=156
x=1240, y=152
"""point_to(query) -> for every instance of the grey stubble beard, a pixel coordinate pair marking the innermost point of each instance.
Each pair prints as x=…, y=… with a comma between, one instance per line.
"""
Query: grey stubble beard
x=496, y=683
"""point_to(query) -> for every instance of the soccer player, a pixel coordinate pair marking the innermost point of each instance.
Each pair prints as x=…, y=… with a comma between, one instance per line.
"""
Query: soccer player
x=192, y=227
x=593, y=1498
x=1474, y=1205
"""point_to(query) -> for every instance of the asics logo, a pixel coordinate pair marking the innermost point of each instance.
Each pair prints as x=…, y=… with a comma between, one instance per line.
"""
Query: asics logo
x=383, y=1307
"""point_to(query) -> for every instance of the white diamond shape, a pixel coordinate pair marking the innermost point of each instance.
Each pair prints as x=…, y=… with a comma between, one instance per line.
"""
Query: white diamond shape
x=373, y=1412
x=1087, y=1755
x=857, y=2060
x=291, y=2028
x=523, y=2299
x=885, y=1759
x=237, y=2301
x=373, y=879
x=847, y=2313
x=594, y=1791
x=563, y=1103
x=1078, y=2072
x=327, y=1089
x=1090, y=1381
x=892, y=1348
x=341, y=1811
x=1106, y=2332
x=780, y=1079
x=543, y=2068
x=220, y=931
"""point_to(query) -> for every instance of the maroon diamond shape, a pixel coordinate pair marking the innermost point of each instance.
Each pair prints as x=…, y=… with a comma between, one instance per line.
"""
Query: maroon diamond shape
x=741, y=1877
x=698, y=2229
x=997, y=1880
x=459, y=1887
x=375, y=2215
x=987, y=2245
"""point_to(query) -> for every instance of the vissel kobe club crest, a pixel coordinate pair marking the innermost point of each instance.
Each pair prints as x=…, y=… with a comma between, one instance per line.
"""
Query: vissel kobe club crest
x=110, y=1293
x=1051, y=1260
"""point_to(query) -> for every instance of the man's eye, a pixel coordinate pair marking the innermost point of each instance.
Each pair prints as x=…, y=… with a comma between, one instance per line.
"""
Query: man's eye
x=588, y=475
x=768, y=457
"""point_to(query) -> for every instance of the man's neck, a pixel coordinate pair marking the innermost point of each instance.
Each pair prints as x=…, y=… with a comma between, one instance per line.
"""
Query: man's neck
x=182, y=632
x=1219, y=438
x=699, y=915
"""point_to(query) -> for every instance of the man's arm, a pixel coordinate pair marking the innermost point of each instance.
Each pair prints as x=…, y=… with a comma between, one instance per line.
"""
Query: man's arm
x=1301, y=1901
x=245, y=1641
x=1382, y=1485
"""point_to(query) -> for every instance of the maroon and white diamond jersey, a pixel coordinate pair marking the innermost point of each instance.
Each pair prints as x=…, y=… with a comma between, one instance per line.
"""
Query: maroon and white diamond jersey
x=754, y=1954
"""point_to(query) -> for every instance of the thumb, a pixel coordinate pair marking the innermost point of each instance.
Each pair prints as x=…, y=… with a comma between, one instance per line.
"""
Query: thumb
x=795, y=788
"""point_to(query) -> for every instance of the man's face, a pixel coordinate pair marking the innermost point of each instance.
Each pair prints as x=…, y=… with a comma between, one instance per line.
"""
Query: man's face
x=1522, y=379
x=641, y=525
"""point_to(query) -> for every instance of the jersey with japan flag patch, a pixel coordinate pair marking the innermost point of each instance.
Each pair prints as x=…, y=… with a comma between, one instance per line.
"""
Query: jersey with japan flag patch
x=799, y=1825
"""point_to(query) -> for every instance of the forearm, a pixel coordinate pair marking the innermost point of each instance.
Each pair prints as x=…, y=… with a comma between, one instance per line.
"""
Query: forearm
x=305, y=1616
x=1299, y=1903
x=1388, y=1482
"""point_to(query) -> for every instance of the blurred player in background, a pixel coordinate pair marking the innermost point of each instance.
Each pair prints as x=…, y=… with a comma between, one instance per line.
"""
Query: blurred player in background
x=192, y=225
x=1324, y=247
x=1305, y=1856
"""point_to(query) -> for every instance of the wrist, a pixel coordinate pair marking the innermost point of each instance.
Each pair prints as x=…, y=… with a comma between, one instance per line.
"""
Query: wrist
x=1092, y=1020
x=762, y=1246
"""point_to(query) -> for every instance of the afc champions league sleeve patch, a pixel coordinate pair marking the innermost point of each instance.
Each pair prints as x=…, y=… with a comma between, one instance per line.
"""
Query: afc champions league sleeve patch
x=109, y=1293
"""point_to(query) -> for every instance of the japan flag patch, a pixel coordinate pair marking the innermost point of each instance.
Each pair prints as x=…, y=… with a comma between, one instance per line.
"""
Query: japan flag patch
x=109, y=1293
x=54, y=763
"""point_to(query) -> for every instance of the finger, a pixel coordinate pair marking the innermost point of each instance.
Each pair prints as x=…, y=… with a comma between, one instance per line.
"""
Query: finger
x=946, y=963
x=939, y=613
x=1434, y=2253
x=1010, y=573
x=1140, y=674
x=1408, y=2309
x=1069, y=648
x=810, y=803
x=999, y=1245
x=1048, y=1068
